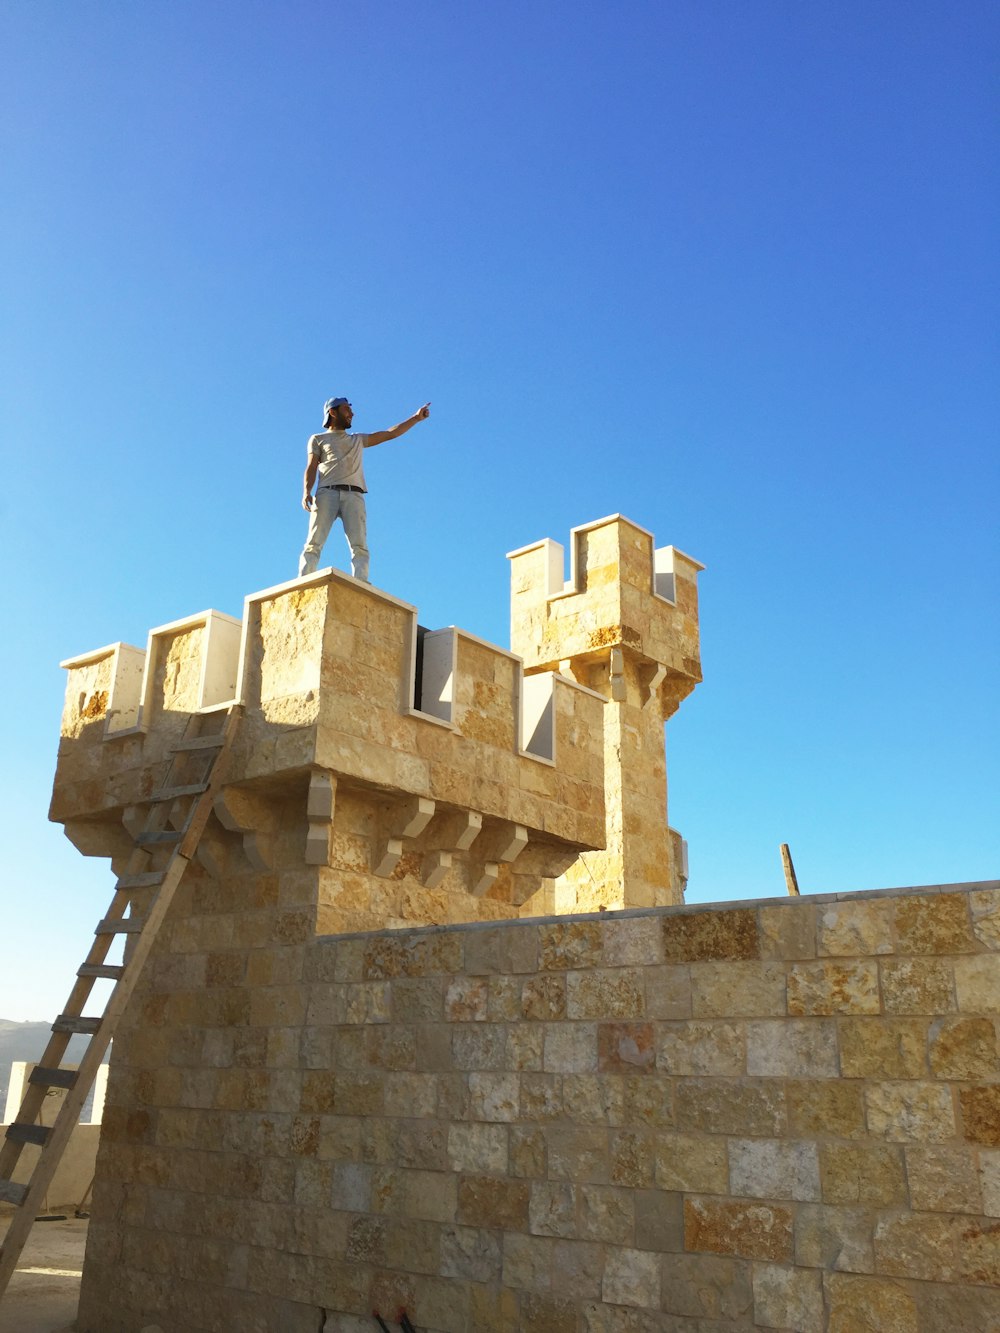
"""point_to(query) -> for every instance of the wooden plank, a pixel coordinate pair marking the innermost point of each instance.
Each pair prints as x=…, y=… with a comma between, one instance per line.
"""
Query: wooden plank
x=199, y=743
x=158, y=837
x=109, y=971
x=69, y=1023
x=11, y=1191
x=118, y=925
x=18, y=1133
x=52, y=1078
x=174, y=793
x=791, y=883
x=149, y=879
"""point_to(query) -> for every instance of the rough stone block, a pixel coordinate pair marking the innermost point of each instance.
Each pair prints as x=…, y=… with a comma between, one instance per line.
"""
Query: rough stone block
x=977, y=981
x=917, y=1245
x=819, y=1108
x=494, y=1097
x=729, y=1226
x=773, y=1169
x=478, y=1148
x=577, y=1269
x=605, y=993
x=833, y=988
x=701, y=1048
x=625, y=1047
x=543, y=998
x=693, y=1163
x=964, y=1048
x=862, y=1173
x=527, y=1262
x=737, y=990
x=724, y=1106
x=902, y=1112
x=785, y=1297
x=570, y=1048
x=883, y=1048
x=632, y=1158
x=984, y=905
x=552, y=1208
x=854, y=929
x=703, y=936
x=792, y=1048
x=869, y=1305
x=485, y=1201
x=938, y=923
x=633, y=940
x=943, y=1179
x=568, y=945
x=838, y=1239
x=578, y=1153
x=465, y=1000
x=607, y=1214
x=668, y=991
x=979, y=1251
x=659, y=1221
x=989, y=1180
x=632, y=1277
x=788, y=931
x=918, y=985
x=981, y=1114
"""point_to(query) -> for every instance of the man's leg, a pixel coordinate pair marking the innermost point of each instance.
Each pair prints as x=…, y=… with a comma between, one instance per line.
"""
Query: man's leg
x=355, y=519
x=321, y=518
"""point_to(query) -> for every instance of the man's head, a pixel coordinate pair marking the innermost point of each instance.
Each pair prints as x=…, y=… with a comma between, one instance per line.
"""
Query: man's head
x=337, y=414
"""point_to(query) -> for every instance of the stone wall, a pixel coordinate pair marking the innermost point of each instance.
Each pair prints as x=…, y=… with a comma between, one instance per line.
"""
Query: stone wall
x=782, y=1115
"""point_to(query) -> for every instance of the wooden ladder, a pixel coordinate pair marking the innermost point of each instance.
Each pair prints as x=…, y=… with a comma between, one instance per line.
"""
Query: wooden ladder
x=178, y=813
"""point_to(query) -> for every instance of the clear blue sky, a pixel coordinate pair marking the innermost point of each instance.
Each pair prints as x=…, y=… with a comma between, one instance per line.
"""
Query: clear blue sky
x=730, y=269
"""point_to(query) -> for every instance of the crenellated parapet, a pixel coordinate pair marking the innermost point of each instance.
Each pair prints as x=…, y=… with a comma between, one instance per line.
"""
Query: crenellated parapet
x=624, y=623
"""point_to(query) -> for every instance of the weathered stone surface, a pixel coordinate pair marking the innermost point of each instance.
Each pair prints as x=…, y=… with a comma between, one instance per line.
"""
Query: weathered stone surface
x=668, y=991
x=570, y=1048
x=632, y=1277
x=494, y=1097
x=701, y=936
x=477, y=1148
x=485, y=1201
x=470, y=1253
x=552, y=1208
x=981, y=1114
x=792, y=1048
x=862, y=1173
x=979, y=1251
x=989, y=1181
x=707, y=1286
x=854, y=929
x=943, y=1179
x=977, y=981
x=869, y=1305
x=883, y=1048
x=821, y=1107
x=788, y=931
x=939, y=923
x=773, y=1169
x=694, y=1163
x=724, y=1106
x=958, y=1307
x=605, y=993
x=607, y=1214
x=567, y=945
x=786, y=1297
x=984, y=905
x=750, y=1230
x=625, y=1047
x=918, y=986
x=964, y=1048
x=701, y=1048
x=737, y=990
x=917, y=1245
x=837, y=1239
x=902, y=1112
x=833, y=988
x=544, y=997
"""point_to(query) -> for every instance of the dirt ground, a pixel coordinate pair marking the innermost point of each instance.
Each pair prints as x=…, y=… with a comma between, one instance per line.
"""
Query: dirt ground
x=43, y=1294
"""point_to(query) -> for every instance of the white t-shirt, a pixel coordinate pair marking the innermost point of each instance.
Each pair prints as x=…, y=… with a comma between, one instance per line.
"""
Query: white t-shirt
x=339, y=455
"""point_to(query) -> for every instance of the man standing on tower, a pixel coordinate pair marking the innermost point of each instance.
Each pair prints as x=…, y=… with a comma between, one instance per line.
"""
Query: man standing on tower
x=334, y=456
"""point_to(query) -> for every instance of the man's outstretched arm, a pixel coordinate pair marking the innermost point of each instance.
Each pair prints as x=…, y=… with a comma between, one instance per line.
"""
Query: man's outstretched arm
x=380, y=436
x=307, y=482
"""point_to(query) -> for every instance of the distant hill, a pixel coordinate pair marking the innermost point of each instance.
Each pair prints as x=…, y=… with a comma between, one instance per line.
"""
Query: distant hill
x=27, y=1041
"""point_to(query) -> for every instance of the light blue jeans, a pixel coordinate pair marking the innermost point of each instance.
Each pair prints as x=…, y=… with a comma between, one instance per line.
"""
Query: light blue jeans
x=349, y=507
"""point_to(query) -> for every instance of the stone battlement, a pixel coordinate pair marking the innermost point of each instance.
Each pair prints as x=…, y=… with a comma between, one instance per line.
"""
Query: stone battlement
x=469, y=776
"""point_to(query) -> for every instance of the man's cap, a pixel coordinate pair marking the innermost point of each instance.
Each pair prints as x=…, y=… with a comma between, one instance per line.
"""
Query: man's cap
x=331, y=403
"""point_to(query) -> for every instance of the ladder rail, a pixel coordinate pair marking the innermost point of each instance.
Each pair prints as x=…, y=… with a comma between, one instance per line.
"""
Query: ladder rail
x=68, y=1115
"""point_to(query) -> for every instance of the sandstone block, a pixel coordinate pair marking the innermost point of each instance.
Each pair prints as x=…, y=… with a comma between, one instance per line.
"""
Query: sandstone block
x=577, y=1269
x=632, y=1277
x=964, y=1048
x=541, y=1097
x=917, y=1245
x=479, y=1046
x=869, y=1305
x=625, y=1047
x=632, y=1155
x=788, y=931
x=607, y=1214
x=981, y=1114
x=707, y=1287
x=570, y=1048
x=605, y=993
x=702, y=936
x=577, y=1153
x=494, y=1097
x=838, y=1239
x=477, y=1148
x=552, y=1208
x=918, y=985
x=465, y=1000
x=854, y=929
x=524, y=1048
x=979, y=1251
x=527, y=1262
x=408, y=1094
x=938, y=923
x=528, y=1153
x=737, y=990
x=989, y=1181
x=729, y=1226
x=792, y=1048
x=984, y=904
x=659, y=1221
x=833, y=988
x=943, y=1179
x=723, y=1106
x=485, y=1201
x=591, y=1099
x=818, y=1108
x=543, y=998
x=883, y=1048
x=787, y=1297
x=862, y=1173
x=701, y=1048
x=902, y=1112
x=668, y=991
x=773, y=1169
x=566, y=945
x=694, y=1163
x=977, y=980
x=547, y=1314
x=647, y=1099
x=633, y=940
x=958, y=1307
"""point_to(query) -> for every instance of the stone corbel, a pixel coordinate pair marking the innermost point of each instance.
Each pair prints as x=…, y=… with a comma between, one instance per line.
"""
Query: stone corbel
x=501, y=845
x=407, y=820
x=651, y=687
x=242, y=812
x=542, y=863
x=455, y=832
x=320, y=806
x=99, y=838
x=616, y=669
x=213, y=851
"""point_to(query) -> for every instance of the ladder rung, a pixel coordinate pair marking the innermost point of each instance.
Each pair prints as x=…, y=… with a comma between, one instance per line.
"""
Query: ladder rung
x=18, y=1133
x=173, y=793
x=67, y=1023
x=52, y=1078
x=198, y=743
x=158, y=837
x=119, y=925
x=147, y=880
x=110, y=971
x=11, y=1191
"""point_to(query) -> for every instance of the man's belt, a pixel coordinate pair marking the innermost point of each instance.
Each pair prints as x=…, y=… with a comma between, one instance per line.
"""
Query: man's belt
x=360, y=489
